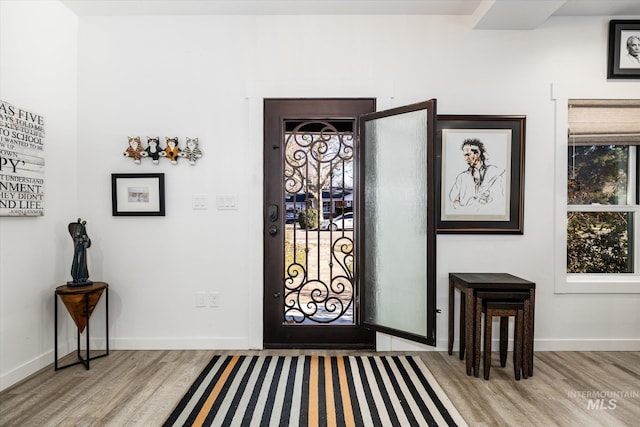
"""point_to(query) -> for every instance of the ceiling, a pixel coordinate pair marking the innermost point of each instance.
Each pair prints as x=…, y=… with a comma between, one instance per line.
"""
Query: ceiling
x=483, y=14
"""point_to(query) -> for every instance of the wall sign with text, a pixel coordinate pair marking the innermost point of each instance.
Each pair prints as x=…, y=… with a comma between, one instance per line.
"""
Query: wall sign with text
x=21, y=162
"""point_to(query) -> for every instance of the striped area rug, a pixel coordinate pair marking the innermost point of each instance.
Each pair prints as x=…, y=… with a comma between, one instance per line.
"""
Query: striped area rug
x=315, y=391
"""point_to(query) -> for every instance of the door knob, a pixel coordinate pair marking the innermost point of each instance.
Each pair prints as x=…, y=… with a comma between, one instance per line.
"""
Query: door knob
x=273, y=230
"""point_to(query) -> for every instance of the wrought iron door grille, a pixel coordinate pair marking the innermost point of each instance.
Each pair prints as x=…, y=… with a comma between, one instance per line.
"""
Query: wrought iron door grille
x=318, y=284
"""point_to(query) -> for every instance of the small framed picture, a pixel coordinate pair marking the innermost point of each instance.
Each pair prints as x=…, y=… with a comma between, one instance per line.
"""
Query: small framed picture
x=137, y=194
x=480, y=161
x=624, y=49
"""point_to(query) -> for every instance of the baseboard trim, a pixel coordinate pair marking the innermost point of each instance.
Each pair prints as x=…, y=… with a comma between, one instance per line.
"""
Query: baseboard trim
x=240, y=343
x=587, y=345
x=32, y=366
x=23, y=371
x=565, y=345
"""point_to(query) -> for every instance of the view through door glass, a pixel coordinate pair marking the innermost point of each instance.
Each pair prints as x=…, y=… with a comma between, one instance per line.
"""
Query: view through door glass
x=319, y=286
x=310, y=256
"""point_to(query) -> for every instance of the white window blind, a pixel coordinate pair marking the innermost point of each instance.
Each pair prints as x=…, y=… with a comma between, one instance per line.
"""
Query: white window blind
x=604, y=122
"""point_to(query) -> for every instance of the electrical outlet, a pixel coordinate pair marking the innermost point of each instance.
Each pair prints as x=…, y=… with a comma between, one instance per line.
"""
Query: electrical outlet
x=201, y=299
x=214, y=299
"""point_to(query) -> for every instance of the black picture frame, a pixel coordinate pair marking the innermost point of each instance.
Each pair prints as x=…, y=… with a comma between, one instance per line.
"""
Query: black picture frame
x=498, y=207
x=621, y=64
x=137, y=194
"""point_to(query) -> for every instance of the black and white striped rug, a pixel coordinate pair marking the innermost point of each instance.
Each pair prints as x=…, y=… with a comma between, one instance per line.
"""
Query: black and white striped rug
x=315, y=391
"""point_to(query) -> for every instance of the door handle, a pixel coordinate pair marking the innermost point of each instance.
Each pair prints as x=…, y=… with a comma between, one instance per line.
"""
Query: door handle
x=272, y=213
x=273, y=230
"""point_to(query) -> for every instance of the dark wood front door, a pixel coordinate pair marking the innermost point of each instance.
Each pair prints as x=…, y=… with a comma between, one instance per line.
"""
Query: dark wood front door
x=349, y=223
x=310, y=292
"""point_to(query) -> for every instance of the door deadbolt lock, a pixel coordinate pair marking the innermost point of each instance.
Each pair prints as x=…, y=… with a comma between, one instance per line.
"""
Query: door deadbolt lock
x=272, y=213
x=273, y=230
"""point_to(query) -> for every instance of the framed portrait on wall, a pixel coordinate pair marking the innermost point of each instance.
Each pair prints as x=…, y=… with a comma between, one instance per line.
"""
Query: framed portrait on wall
x=137, y=194
x=624, y=49
x=481, y=170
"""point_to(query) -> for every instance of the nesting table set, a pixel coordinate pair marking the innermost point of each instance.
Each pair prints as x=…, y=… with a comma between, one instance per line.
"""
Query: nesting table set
x=495, y=294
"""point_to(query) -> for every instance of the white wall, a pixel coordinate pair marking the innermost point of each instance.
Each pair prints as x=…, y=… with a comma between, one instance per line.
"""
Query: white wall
x=205, y=77
x=38, y=72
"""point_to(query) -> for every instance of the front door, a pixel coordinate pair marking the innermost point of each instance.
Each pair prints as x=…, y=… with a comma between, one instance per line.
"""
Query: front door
x=310, y=293
x=349, y=236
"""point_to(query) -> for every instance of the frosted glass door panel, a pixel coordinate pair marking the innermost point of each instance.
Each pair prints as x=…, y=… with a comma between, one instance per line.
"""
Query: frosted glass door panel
x=395, y=225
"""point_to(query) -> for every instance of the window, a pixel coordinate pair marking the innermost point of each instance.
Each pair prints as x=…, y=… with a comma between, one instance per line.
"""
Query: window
x=603, y=207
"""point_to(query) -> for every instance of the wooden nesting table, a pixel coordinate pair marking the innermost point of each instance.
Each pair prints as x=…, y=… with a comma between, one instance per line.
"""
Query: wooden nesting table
x=468, y=284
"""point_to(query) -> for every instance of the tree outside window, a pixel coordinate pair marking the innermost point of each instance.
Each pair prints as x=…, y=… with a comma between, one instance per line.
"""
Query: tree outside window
x=602, y=197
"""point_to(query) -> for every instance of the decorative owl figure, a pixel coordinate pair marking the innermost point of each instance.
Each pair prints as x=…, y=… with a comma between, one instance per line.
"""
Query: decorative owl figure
x=153, y=149
x=192, y=152
x=172, y=151
x=134, y=150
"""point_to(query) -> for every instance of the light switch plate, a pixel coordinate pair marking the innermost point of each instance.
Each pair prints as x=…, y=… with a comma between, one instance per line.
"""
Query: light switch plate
x=199, y=201
x=227, y=203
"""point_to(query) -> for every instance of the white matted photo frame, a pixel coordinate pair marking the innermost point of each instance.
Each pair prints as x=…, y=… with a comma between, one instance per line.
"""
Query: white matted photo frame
x=624, y=49
x=137, y=194
x=480, y=162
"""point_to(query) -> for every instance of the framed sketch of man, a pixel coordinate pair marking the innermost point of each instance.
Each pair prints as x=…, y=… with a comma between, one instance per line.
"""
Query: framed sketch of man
x=476, y=174
x=481, y=167
x=624, y=49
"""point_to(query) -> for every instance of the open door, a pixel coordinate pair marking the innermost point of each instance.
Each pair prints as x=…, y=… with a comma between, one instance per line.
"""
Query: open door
x=368, y=264
x=396, y=222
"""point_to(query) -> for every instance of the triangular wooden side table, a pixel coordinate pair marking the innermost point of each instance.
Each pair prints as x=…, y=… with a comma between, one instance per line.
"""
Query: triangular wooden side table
x=80, y=302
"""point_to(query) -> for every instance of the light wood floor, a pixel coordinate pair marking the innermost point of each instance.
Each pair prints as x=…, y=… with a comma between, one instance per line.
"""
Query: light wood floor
x=141, y=388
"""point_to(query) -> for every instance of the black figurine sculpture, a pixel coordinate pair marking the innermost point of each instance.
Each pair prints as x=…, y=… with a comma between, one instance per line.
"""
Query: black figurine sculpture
x=81, y=242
